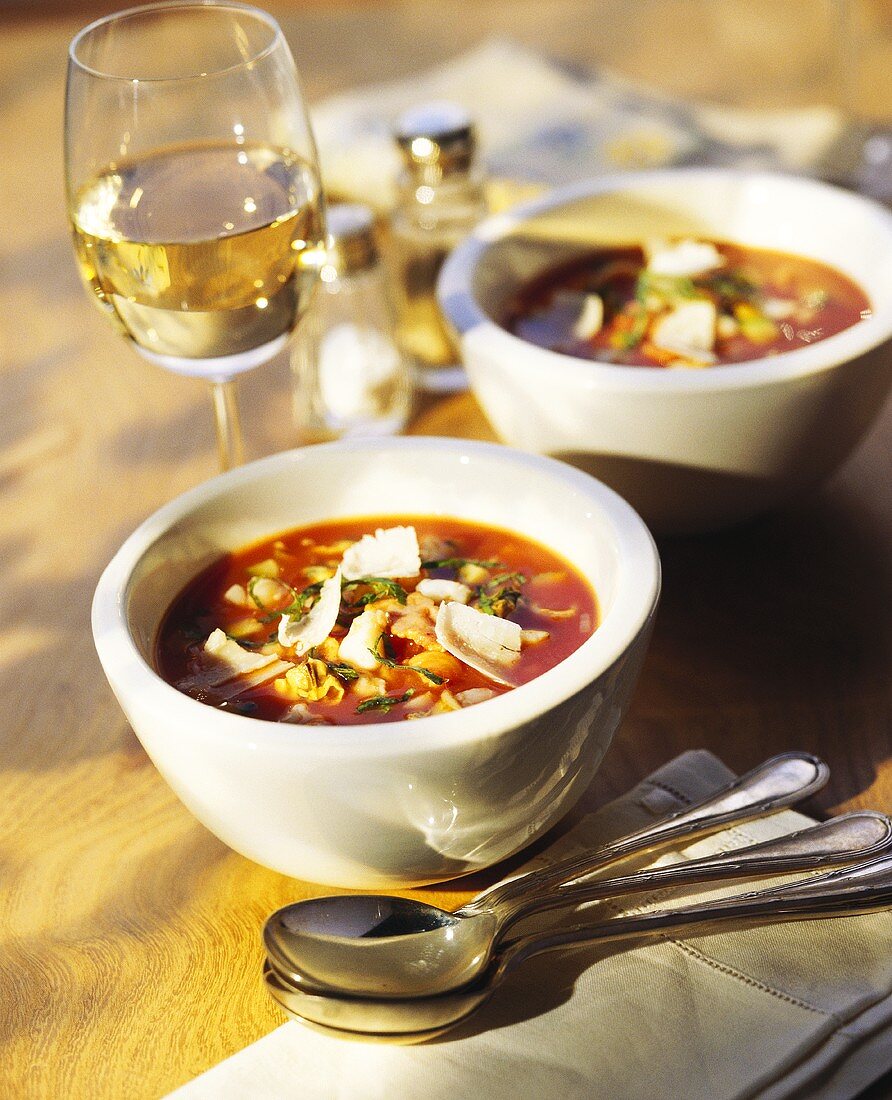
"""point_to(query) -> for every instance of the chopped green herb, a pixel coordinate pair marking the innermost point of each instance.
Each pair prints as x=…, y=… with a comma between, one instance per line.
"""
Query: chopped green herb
x=342, y=670
x=383, y=647
x=379, y=588
x=384, y=702
x=457, y=563
x=499, y=595
x=669, y=288
x=731, y=285
x=501, y=579
x=389, y=662
x=426, y=672
x=300, y=599
x=502, y=604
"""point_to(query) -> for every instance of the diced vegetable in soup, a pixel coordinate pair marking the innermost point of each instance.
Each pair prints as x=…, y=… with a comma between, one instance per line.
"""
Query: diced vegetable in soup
x=685, y=304
x=369, y=620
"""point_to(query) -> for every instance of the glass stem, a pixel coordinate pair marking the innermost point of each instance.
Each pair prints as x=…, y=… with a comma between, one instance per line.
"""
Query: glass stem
x=229, y=430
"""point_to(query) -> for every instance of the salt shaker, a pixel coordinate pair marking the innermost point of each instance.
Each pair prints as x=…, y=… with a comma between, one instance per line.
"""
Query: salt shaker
x=440, y=199
x=350, y=376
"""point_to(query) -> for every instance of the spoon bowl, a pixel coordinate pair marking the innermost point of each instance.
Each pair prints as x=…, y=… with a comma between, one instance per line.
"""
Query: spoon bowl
x=379, y=944
x=398, y=948
x=864, y=888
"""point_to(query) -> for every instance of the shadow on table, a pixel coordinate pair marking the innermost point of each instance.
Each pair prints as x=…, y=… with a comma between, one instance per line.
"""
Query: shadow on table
x=771, y=637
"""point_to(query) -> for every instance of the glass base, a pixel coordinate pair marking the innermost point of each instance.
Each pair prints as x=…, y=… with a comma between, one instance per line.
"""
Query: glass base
x=222, y=367
x=448, y=379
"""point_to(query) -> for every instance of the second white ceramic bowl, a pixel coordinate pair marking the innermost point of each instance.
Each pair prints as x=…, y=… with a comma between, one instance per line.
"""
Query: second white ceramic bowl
x=691, y=450
x=388, y=804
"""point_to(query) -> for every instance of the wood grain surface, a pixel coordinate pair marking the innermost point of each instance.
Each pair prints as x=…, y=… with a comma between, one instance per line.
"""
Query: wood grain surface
x=130, y=936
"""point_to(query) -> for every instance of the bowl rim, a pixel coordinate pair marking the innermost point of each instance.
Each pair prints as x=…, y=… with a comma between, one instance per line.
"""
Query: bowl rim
x=637, y=594
x=456, y=297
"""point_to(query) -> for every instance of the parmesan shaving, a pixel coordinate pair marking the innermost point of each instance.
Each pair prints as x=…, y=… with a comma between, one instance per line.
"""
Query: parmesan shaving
x=390, y=552
x=238, y=684
x=301, y=633
x=684, y=259
x=487, y=643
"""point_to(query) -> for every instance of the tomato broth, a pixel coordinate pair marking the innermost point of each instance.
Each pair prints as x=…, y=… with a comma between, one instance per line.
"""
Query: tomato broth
x=414, y=639
x=684, y=304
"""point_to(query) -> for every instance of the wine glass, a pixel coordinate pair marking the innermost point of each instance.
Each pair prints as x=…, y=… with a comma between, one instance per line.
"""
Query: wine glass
x=193, y=188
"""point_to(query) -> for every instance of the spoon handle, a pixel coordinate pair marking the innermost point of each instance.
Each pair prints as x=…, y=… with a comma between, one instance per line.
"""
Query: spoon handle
x=851, y=891
x=772, y=786
x=849, y=838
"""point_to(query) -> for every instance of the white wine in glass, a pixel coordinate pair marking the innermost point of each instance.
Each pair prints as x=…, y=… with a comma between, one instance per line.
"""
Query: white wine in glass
x=193, y=188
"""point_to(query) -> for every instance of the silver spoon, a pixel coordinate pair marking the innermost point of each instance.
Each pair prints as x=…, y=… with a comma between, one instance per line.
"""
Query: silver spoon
x=350, y=941
x=864, y=888
x=454, y=953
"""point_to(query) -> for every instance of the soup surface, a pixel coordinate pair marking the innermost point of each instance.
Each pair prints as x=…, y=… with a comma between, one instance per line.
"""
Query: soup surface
x=369, y=620
x=687, y=304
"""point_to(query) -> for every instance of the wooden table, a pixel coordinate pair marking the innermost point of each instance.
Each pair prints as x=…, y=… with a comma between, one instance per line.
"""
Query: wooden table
x=131, y=954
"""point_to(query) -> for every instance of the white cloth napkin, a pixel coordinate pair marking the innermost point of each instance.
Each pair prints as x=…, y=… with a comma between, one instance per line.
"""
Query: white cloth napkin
x=541, y=122
x=798, y=1010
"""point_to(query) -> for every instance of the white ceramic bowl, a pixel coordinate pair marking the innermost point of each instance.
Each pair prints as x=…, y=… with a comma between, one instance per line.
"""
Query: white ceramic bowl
x=691, y=450
x=395, y=804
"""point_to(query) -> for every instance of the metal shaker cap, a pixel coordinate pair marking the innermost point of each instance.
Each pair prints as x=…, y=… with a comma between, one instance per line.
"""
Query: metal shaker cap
x=438, y=135
x=351, y=244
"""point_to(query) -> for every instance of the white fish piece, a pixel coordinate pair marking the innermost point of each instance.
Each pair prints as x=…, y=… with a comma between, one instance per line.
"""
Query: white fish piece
x=390, y=552
x=688, y=330
x=590, y=320
x=487, y=643
x=228, y=661
x=683, y=259
x=359, y=647
x=440, y=590
x=364, y=687
x=470, y=696
x=302, y=632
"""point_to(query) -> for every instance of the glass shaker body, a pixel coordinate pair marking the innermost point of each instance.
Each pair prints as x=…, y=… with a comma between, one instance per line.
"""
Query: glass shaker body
x=350, y=376
x=441, y=197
